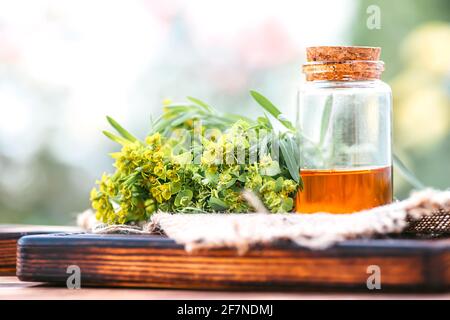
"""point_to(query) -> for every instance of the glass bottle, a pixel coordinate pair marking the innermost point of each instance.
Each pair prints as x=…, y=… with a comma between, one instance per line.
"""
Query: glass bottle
x=344, y=117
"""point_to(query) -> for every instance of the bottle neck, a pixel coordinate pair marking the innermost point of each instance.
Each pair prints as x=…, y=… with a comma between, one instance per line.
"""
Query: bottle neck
x=351, y=70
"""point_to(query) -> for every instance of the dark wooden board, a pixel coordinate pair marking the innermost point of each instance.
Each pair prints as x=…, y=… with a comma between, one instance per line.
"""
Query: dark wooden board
x=11, y=233
x=155, y=261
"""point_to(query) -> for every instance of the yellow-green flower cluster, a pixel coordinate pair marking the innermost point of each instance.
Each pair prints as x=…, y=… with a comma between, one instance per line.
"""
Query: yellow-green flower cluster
x=144, y=179
x=152, y=176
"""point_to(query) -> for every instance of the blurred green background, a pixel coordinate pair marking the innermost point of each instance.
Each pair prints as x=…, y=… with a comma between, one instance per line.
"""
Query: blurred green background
x=66, y=64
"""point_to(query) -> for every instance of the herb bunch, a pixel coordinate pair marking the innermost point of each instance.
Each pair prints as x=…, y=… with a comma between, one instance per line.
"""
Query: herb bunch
x=184, y=167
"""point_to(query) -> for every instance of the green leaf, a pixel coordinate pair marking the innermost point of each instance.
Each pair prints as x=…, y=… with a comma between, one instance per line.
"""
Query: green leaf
x=175, y=187
x=235, y=117
x=160, y=124
x=183, y=198
x=287, y=204
x=182, y=119
x=407, y=174
x=265, y=122
x=271, y=170
x=292, y=164
x=231, y=183
x=279, y=184
x=206, y=106
x=182, y=158
x=115, y=138
x=295, y=146
x=268, y=120
x=172, y=109
x=211, y=178
x=217, y=204
x=242, y=177
x=270, y=107
x=120, y=130
x=325, y=123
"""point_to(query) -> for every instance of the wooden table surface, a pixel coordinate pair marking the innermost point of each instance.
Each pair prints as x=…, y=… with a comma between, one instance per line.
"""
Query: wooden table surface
x=12, y=288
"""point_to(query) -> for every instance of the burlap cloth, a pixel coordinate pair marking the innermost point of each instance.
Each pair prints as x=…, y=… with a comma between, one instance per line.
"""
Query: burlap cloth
x=426, y=211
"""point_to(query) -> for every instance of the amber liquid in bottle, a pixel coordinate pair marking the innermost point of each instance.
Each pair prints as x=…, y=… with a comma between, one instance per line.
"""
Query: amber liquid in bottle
x=344, y=191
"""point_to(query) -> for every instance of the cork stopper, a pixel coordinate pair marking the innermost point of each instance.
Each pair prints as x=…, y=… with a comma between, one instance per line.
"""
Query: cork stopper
x=341, y=54
x=339, y=63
